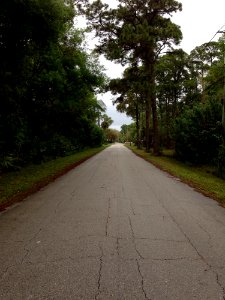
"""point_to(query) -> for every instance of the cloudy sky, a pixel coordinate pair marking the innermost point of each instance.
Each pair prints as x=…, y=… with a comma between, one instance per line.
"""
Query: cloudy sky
x=199, y=21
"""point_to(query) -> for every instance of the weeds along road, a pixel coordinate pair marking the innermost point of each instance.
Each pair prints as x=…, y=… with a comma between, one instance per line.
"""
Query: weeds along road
x=113, y=228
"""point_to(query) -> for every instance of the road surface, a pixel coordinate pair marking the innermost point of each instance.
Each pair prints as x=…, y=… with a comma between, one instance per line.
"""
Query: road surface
x=113, y=228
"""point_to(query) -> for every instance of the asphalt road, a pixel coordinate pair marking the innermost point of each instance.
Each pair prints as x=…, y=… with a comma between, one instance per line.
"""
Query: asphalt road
x=113, y=228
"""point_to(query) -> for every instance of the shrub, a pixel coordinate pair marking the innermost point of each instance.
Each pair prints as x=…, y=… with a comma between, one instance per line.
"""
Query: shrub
x=96, y=136
x=8, y=163
x=198, y=133
x=221, y=161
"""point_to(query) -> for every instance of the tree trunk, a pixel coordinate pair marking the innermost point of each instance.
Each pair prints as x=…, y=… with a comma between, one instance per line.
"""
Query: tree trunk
x=167, y=121
x=147, y=131
x=155, y=127
x=138, y=126
x=152, y=99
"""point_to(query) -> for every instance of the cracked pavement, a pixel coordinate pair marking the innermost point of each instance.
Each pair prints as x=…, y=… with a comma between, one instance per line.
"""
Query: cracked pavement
x=115, y=227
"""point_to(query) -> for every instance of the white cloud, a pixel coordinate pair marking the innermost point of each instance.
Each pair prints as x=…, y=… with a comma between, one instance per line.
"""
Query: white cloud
x=199, y=21
x=118, y=118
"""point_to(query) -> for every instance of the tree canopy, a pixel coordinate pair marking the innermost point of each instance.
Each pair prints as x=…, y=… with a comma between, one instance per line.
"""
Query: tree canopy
x=162, y=86
x=135, y=33
x=48, y=83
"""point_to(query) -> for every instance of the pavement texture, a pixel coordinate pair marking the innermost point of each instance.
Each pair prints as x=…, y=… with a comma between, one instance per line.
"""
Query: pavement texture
x=113, y=228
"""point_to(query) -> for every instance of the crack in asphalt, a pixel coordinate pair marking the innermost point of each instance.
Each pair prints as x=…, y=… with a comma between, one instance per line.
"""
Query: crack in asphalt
x=51, y=261
x=205, y=261
x=99, y=274
x=161, y=240
x=60, y=202
x=202, y=228
x=207, y=233
x=100, y=241
x=34, y=236
x=192, y=244
x=132, y=208
x=133, y=239
x=11, y=242
x=218, y=221
x=117, y=247
x=158, y=259
x=25, y=256
x=174, y=259
x=108, y=217
x=142, y=281
x=58, y=260
x=142, y=257
x=197, y=251
x=7, y=270
x=147, y=239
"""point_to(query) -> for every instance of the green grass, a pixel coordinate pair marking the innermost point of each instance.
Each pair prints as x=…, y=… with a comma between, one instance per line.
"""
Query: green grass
x=201, y=178
x=14, y=186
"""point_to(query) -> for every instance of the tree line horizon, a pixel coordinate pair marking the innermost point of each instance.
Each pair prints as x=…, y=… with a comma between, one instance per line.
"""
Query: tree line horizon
x=49, y=81
x=176, y=99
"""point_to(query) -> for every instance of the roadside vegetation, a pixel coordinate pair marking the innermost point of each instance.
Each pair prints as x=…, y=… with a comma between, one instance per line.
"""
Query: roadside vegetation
x=16, y=185
x=49, y=82
x=176, y=99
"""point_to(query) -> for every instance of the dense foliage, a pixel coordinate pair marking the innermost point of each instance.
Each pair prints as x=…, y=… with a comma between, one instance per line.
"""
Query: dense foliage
x=179, y=93
x=135, y=33
x=197, y=133
x=128, y=133
x=48, y=82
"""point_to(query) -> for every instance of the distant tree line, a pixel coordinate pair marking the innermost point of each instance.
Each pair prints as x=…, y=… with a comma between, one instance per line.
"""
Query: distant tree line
x=174, y=98
x=48, y=83
x=110, y=135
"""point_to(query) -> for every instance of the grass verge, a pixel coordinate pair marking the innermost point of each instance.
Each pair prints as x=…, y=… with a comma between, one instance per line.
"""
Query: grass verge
x=15, y=186
x=199, y=178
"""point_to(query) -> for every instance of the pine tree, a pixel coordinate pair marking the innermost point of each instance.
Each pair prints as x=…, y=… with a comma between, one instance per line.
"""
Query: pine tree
x=136, y=31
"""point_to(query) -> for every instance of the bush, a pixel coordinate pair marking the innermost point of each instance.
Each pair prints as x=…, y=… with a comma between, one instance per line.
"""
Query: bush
x=96, y=136
x=198, y=133
x=221, y=161
x=8, y=163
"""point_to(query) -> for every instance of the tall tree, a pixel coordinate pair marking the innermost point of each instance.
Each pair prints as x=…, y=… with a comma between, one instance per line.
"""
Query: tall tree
x=29, y=31
x=131, y=95
x=106, y=121
x=171, y=76
x=136, y=31
x=47, y=82
x=203, y=58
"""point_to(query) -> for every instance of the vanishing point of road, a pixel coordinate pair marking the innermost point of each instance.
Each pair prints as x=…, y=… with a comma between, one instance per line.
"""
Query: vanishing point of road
x=113, y=228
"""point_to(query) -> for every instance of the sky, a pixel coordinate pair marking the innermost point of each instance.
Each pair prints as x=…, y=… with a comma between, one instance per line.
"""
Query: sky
x=199, y=21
